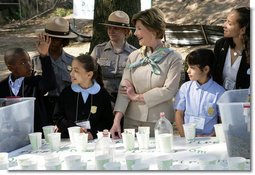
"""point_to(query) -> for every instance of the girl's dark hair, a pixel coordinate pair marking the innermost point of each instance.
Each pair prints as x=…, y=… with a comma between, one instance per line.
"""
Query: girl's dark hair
x=243, y=21
x=89, y=64
x=202, y=58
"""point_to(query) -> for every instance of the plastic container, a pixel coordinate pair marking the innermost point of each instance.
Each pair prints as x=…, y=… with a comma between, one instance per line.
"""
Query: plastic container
x=163, y=126
x=16, y=122
x=104, y=150
x=235, y=124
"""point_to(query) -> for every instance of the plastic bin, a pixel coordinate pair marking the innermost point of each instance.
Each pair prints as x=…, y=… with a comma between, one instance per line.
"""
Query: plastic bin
x=236, y=127
x=16, y=122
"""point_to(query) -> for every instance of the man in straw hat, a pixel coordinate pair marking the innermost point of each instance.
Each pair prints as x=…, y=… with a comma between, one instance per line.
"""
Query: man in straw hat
x=112, y=55
x=57, y=28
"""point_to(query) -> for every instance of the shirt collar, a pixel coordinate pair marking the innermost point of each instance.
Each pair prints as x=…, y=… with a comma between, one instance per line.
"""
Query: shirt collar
x=63, y=57
x=17, y=82
x=127, y=48
x=94, y=89
x=204, y=86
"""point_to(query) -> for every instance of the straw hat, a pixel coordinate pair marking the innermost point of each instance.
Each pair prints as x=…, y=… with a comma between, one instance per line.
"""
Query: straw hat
x=118, y=19
x=58, y=27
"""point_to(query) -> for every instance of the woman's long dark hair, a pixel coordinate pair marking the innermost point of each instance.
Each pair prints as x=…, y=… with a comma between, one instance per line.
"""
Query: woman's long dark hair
x=243, y=21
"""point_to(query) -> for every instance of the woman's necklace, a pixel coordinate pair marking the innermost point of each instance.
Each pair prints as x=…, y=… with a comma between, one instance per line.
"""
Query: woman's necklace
x=237, y=53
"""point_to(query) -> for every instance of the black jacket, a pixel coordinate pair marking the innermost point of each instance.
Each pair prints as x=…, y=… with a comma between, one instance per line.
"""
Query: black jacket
x=220, y=51
x=35, y=86
x=66, y=109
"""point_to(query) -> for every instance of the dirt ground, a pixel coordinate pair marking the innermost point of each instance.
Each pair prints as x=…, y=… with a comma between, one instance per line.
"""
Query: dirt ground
x=22, y=34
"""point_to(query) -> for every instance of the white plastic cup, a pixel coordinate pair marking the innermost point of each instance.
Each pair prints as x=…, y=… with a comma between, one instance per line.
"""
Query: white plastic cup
x=140, y=166
x=236, y=163
x=101, y=160
x=219, y=132
x=164, y=162
x=54, y=141
x=189, y=131
x=71, y=130
x=143, y=140
x=47, y=130
x=35, y=140
x=80, y=141
x=4, y=162
x=131, y=160
x=128, y=141
x=165, y=142
x=112, y=166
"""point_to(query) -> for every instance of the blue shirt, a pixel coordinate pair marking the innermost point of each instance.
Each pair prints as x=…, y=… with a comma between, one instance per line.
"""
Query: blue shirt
x=199, y=101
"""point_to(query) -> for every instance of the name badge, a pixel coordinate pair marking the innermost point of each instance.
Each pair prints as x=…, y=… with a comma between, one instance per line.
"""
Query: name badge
x=200, y=122
x=84, y=124
x=93, y=109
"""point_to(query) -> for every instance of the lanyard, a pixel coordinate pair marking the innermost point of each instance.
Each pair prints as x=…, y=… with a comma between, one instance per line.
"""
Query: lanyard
x=77, y=106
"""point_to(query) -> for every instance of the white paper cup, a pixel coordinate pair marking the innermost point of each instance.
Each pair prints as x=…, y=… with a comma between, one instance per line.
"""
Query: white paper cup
x=54, y=141
x=80, y=141
x=219, y=132
x=71, y=130
x=51, y=158
x=112, y=166
x=189, y=131
x=128, y=141
x=144, y=130
x=143, y=140
x=4, y=162
x=35, y=140
x=165, y=143
x=179, y=167
x=101, y=160
x=130, y=130
x=164, y=162
x=236, y=163
x=73, y=162
x=140, y=166
x=27, y=162
x=131, y=160
x=207, y=162
x=56, y=165
x=46, y=130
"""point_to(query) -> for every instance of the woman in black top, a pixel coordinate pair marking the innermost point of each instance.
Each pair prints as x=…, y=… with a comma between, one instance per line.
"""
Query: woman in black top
x=232, y=53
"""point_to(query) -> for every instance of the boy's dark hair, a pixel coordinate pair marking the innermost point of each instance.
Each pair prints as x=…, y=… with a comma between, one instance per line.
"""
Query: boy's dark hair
x=11, y=54
x=202, y=58
x=89, y=64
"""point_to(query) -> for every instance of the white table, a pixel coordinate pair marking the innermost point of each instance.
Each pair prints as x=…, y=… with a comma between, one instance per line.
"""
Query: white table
x=184, y=153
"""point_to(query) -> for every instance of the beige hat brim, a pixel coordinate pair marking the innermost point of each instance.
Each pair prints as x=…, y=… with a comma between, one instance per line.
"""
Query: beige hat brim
x=70, y=35
x=106, y=24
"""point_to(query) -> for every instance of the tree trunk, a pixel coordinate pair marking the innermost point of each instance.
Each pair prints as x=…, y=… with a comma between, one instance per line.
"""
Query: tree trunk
x=103, y=8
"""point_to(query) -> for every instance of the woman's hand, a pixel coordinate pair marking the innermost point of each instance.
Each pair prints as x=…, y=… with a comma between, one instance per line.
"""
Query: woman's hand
x=116, y=128
x=130, y=91
x=116, y=131
x=43, y=44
